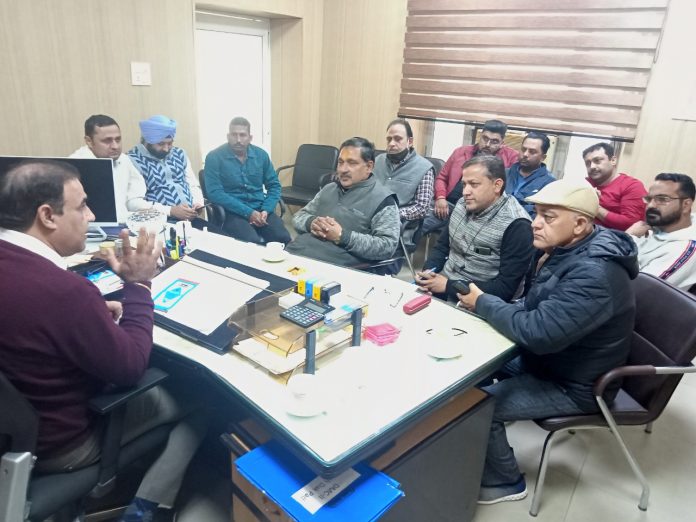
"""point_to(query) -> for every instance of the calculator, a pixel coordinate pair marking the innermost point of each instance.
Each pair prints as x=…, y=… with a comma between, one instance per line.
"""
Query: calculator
x=307, y=313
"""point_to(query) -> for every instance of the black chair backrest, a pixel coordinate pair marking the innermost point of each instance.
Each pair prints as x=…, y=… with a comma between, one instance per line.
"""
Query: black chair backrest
x=19, y=422
x=664, y=335
x=312, y=163
x=201, y=180
x=437, y=164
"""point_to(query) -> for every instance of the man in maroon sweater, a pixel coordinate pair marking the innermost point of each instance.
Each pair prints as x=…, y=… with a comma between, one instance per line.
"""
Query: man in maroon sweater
x=448, y=183
x=61, y=342
x=620, y=196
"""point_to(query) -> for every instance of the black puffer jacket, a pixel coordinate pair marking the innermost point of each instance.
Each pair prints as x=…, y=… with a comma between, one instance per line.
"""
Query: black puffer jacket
x=575, y=322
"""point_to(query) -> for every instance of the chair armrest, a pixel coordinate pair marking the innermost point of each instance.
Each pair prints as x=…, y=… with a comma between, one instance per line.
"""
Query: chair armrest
x=284, y=167
x=115, y=398
x=620, y=373
x=376, y=264
x=112, y=405
x=625, y=371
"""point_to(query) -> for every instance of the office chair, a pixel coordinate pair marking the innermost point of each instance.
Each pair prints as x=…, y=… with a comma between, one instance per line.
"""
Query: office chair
x=311, y=164
x=437, y=166
x=34, y=496
x=663, y=344
x=392, y=266
x=216, y=213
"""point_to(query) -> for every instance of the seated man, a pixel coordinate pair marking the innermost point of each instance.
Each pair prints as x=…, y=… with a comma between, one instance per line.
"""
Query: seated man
x=620, y=196
x=60, y=342
x=410, y=176
x=240, y=177
x=529, y=175
x=352, y=220
x=170, y=180
x=448, y=183
x=103, y=140
x=489, y=239
x=666, y=240
x=573, y=325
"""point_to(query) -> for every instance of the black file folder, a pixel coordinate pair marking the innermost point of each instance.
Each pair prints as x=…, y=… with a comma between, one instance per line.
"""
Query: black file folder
x=220, y=340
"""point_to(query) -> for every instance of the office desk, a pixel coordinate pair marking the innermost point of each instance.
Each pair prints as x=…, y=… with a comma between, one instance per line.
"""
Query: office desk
x=374, y=394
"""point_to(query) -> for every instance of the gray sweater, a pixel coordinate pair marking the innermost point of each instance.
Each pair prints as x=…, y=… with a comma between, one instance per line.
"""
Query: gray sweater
x=368, y=215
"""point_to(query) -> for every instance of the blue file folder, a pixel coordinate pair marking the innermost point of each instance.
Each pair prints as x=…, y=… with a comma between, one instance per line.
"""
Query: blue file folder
x=279, y=475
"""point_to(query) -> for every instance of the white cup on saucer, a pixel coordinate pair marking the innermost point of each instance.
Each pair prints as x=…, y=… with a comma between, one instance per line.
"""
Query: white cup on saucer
x=274, y=251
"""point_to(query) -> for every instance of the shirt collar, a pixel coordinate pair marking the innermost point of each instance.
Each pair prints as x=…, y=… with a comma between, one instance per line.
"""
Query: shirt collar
x=251, y=153
x=86, y=152
x=34, y=245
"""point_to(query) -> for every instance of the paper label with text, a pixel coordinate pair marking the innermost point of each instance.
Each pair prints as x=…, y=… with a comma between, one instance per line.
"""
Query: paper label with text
x=320, y=491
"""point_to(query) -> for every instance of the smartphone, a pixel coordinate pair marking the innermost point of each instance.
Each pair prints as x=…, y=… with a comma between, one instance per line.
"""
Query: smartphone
x=106, y=281
x=461, y=286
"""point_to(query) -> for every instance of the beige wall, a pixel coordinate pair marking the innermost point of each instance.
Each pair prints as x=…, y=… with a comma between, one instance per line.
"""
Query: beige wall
x=664, y=144
x=63, y=61
x=336, y=66
x=361, y=69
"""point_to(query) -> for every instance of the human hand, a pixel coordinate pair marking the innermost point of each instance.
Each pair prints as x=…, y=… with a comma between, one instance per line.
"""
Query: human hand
x=602, y=212
x=441, y=208
x=183, y=212
x=317, y=227
x=468, y=301
x=432, y=282
x=639, y=229
x=332, y=230
x=264, y=218
x=139, y=265
x=255, y=218
x=115, y=309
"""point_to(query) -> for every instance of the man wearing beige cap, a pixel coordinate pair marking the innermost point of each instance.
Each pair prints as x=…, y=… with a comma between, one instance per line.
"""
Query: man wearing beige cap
x=573, y=324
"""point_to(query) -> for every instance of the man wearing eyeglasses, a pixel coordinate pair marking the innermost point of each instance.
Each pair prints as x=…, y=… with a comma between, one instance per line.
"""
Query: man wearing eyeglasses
x=620, y=195
x=448, y=183
x=666, y=240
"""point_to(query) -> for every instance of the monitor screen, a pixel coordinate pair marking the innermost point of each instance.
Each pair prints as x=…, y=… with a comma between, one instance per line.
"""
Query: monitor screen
x=97, y=178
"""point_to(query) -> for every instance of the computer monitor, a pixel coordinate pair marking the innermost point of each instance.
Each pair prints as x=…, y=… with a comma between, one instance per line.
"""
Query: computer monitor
x=97, y=178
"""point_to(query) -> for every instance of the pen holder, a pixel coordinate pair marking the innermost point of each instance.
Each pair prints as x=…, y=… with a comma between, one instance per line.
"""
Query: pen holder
x=168, y=260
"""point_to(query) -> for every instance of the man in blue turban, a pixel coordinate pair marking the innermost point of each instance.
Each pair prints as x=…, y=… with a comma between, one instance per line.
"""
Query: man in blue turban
x=167, y=170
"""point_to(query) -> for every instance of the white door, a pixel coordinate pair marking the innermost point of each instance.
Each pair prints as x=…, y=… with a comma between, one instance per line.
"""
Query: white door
x=232, y=76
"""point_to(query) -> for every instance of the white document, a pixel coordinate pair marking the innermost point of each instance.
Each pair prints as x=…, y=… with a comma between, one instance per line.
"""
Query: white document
x=218, y=293
x=320, y=491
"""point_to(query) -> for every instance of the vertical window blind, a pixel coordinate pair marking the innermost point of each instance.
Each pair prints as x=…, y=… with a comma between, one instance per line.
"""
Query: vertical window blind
x=564, y=66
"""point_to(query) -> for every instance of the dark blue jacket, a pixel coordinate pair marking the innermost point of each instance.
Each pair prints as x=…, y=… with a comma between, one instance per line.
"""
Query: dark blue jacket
x=521, y=187
x=576, y=320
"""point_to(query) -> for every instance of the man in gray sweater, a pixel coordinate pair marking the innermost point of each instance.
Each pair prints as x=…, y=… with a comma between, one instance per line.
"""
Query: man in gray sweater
x=352, y=220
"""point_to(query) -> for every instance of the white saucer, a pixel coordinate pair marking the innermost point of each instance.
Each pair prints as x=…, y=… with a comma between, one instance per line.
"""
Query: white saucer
x=443, y=352
x=303, y=407
x=278, y=259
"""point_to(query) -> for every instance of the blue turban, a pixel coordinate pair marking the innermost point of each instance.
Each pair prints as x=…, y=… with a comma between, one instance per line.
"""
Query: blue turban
x=157, y=129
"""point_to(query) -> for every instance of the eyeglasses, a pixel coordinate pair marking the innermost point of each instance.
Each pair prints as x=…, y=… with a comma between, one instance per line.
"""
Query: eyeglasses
x=659, y=200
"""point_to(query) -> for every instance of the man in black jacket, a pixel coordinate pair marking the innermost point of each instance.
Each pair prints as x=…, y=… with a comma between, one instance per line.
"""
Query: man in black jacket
x=573, y=325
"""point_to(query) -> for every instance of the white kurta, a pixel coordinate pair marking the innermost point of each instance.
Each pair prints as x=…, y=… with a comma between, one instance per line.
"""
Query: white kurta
x=129, y=185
